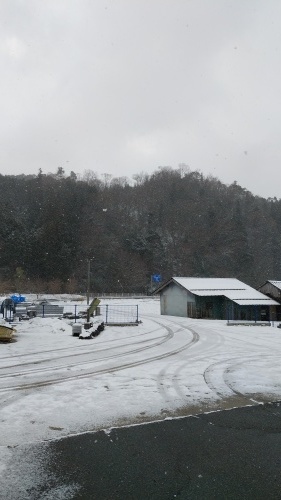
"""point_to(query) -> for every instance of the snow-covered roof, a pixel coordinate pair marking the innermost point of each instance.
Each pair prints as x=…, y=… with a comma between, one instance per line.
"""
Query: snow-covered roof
x=232, y=288
x=277, y=284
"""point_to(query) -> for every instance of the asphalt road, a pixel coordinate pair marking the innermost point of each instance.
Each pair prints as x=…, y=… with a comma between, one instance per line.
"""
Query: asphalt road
x=233, y=454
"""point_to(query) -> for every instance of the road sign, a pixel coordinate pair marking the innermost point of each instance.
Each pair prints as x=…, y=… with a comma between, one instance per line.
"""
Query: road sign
x=157, y=278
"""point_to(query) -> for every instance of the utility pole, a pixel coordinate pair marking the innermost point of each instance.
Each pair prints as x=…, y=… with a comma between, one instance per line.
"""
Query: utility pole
x=88, y=280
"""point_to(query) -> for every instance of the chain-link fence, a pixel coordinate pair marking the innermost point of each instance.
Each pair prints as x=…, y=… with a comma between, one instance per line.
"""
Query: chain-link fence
x=118, y=314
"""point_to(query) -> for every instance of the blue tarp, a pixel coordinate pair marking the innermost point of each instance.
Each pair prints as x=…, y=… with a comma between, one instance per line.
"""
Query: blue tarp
x=18, y=298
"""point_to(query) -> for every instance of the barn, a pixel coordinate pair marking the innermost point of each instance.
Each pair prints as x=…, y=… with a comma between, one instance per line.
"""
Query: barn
x=272, y=288
x=215, y=298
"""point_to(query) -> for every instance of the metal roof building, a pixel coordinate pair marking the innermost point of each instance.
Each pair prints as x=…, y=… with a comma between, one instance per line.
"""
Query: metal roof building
x=217, y=298
x=272, y=288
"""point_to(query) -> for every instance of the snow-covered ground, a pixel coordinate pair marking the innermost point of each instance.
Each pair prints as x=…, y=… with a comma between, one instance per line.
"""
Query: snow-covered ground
x=53, y=384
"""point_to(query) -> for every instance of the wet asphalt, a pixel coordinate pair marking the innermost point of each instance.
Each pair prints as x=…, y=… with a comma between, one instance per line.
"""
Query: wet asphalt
x=230, y=454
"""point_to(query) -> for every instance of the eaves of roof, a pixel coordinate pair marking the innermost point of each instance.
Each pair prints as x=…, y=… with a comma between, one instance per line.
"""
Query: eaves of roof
x=231, y=288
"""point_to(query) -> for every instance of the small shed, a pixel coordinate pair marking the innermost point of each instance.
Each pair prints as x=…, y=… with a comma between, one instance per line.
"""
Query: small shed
x=215, y=298
x=272, y=288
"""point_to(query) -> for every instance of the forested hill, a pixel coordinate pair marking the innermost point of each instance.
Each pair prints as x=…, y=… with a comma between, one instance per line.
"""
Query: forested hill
x=173, y=223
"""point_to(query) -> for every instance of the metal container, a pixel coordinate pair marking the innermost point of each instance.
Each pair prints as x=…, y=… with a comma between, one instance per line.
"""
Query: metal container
x=76, y=329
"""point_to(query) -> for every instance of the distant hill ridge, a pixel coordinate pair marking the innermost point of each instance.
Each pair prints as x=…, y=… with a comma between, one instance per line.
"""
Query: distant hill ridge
x=172, y=222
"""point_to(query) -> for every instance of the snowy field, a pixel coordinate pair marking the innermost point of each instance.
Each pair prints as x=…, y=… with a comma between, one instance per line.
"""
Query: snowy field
x=53, y=384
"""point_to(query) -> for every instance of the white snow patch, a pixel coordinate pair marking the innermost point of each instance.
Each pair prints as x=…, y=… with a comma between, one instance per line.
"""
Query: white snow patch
x=53, y=384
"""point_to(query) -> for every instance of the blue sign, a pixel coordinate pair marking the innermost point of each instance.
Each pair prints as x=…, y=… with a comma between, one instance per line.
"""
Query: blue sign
x=157, y=278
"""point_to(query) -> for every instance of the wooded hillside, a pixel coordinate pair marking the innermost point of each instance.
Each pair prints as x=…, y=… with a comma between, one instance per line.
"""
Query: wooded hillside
x=173, y=222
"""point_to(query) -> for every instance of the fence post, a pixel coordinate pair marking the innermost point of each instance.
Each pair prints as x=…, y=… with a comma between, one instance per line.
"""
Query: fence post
x=75, y=313
x=10, y=319
x=137, y=313
x=43, y=311
x=106, y=312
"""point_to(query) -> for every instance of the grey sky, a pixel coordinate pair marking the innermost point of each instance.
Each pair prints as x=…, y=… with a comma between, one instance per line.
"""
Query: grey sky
x=125, y=86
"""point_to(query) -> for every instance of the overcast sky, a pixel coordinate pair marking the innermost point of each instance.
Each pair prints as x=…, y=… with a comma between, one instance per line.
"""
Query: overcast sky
x=126, y=86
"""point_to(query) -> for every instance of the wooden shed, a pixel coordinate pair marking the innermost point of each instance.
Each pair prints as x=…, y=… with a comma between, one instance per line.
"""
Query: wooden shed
x=215, y=298
x=272, y=288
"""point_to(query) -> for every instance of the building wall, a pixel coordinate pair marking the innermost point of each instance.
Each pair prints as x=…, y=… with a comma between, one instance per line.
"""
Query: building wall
x=174, y=299
x=274, y=293
x=211, y=307
x=271, y=291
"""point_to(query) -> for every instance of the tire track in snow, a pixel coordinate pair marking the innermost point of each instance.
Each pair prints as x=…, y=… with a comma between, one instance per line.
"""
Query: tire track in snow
x=74, y=348
x=215, y=378
x=75, y=363
x=233, y=368
x=165, y=382
x=220, y=370
x=215, y=372
x=93, y=372
x=180, y=391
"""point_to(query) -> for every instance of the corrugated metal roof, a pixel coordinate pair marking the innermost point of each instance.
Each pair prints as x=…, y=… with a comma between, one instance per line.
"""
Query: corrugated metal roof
x=256, y=302
x=211, y=283
x=233, y=289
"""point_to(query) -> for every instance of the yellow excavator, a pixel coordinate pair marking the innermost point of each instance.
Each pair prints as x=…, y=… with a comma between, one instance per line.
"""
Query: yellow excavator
x=91, y=310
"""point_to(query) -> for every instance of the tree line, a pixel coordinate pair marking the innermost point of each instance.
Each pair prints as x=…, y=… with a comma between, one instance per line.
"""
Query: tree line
x=172, y=222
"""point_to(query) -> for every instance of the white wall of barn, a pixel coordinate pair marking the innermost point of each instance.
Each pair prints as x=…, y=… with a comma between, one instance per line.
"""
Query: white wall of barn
x=174, y=299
